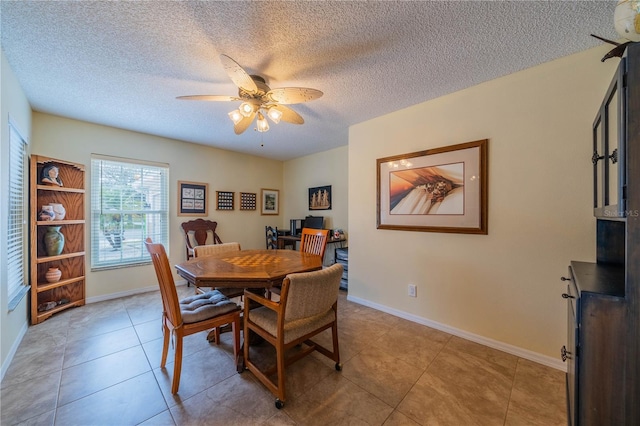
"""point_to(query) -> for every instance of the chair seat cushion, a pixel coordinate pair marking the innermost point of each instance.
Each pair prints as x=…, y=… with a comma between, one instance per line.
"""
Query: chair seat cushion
x=204, y=306
x=267, y=319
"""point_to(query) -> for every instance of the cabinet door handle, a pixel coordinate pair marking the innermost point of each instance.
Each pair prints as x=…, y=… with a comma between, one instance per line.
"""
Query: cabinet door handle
x=565, y=279
x=564, y=353
x=567, y=296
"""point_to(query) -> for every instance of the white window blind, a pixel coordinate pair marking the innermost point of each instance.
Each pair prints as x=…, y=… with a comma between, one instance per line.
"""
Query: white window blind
x=129, y=202
x=16, y=229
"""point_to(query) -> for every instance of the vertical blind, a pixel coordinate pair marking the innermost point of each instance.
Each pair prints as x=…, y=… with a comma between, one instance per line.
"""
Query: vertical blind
x=16, y=231
x=129, y=202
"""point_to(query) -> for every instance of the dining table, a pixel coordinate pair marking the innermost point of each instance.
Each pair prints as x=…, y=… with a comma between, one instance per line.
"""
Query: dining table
x=256, y=270
x=247, y=268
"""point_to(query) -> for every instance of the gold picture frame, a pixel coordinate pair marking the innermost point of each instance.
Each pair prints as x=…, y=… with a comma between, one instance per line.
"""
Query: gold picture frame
x=437, y=190
x=269, y=201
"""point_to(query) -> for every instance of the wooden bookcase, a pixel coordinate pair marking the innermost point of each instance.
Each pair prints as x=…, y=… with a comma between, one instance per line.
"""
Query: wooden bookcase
x=70, y=289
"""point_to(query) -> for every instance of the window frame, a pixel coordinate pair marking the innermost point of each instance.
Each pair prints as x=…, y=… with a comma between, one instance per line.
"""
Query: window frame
x=108, y=204
x=17, y=233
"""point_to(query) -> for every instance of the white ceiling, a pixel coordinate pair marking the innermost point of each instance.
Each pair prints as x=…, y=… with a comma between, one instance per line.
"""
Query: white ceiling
x=123, y=63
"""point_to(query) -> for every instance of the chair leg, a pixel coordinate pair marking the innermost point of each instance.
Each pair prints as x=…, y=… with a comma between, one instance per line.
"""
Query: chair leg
x=177, y=365
x=235, y=325
x=165, y=345
x=280, y=363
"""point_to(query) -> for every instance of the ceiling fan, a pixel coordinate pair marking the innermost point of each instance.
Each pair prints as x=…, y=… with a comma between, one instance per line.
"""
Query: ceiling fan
x=258, y=99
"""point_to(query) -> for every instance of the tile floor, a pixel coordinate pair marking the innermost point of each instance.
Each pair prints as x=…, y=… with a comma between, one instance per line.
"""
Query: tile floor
x=98, y=365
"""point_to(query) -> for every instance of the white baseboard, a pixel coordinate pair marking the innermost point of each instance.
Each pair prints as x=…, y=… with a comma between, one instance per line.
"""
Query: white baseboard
x=14, y=348
x=513, y=350
x=111, y=296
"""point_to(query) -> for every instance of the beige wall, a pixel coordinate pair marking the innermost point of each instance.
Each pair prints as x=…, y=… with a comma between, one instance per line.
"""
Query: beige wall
x=326, y=168
x=14, y=106
x=223, y=170
x=503, y=288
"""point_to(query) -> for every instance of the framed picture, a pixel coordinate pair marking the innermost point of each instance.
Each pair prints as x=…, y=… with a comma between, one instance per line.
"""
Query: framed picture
x=224, y=200
x=193, y=198
x=320, y=198
x=248, y=201
x=438, y=190
x=269, y=200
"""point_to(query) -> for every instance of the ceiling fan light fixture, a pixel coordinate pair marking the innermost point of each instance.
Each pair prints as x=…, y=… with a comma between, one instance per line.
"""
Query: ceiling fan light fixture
x=235, y=116
x=246, y=109
x=261, y=124
x=274, y=114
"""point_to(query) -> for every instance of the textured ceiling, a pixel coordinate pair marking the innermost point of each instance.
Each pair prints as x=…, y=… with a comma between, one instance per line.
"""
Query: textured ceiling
x=123, y=63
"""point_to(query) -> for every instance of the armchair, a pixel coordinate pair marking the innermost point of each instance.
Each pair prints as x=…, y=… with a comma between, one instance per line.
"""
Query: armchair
x=307, y=306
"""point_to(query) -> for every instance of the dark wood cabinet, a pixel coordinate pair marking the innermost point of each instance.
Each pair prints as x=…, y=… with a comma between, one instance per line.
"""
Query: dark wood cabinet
x=603, y=297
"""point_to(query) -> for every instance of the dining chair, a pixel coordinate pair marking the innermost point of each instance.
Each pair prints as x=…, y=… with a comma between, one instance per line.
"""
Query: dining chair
x=191, y=315
x=197, y=232
x=308, y=305
x=209, y=249
x=271, y=235
x=314, y=241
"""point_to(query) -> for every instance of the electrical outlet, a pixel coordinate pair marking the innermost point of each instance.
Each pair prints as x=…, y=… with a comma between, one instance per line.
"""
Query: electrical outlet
x=412, y=290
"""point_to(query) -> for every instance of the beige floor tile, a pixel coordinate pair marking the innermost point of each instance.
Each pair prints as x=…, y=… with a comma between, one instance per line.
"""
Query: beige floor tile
x=29, y=399
x=127, y=403
x=22, y=367
x=337, y=401
x=398, y=419
x=393, y=377
x=79, y=351
x=538, y=396
x=162, y=419
x=200, y=371
x=237, y=400
x=92, y=376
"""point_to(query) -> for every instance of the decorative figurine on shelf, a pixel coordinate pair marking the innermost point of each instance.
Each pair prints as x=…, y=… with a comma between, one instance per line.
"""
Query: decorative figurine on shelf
x=47, y=213
x=50, y=175
x=59, y=211
x=53, y=275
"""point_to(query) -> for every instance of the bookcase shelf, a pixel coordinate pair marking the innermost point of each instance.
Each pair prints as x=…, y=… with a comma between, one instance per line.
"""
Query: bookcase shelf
x=69, y=290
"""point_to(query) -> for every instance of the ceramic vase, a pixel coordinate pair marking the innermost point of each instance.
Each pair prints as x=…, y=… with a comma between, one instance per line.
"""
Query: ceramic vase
x=59, y=210
x=53, y=241
x=53, y=275
x=46, y=213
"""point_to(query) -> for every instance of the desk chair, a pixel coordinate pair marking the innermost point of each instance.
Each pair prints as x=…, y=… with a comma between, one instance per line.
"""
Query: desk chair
x=191, y=315
x=314, y=241
x=271, y=235
x=308, y=305
x=196, y=233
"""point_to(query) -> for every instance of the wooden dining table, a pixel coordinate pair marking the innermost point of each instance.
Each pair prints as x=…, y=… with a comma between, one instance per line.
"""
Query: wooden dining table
x=250, y=269
x=247, y=268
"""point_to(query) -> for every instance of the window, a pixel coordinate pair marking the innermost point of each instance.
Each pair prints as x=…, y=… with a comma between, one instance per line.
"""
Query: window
x=129, y=202
x=16, y=229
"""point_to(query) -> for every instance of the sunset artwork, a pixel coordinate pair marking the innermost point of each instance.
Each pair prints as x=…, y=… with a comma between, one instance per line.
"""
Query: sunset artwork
x=434, y=190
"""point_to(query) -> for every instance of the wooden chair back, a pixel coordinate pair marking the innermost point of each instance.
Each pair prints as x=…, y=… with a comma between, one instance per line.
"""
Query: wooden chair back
x=210, y=249
x=314, y=241
x=271, y=234
x=198, y=230
x=170, y=301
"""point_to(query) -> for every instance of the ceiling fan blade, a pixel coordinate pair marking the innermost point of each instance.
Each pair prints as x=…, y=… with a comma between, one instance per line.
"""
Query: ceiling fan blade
x=293, y=95
x=244, y=124
x=289, y=115
x=238, y=75
x=216, y=98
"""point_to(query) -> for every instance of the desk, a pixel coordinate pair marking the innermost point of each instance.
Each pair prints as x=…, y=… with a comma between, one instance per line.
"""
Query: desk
x=247, y=268
x=290, y=240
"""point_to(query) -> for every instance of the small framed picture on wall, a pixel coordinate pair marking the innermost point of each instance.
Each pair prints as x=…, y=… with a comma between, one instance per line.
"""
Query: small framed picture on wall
x=269, y=201
x=192, y=198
